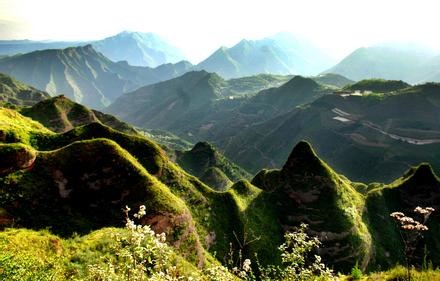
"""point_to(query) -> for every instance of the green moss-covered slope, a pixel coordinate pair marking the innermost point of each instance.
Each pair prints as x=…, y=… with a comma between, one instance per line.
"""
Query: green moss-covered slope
x=60, y=114
x=205, y=162
x=307, y=190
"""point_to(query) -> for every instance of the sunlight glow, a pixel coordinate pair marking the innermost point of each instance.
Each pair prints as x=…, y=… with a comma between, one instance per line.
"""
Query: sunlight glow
x=199, y=27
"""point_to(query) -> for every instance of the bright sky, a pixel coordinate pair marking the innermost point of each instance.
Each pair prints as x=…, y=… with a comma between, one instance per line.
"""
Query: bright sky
x=199, y=27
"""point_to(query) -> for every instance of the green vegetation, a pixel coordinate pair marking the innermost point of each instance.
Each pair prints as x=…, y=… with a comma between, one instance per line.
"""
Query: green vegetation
x=255, y=84
x=206, y=163
x=94, y=169
x=60, y=114
x=377, y=86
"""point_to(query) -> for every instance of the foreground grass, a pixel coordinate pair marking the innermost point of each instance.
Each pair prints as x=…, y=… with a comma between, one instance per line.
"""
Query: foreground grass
x=398, y=273
x=40, y=255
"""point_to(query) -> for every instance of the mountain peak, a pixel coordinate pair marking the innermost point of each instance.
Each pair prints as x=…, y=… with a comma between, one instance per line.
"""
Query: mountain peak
x=421, y=175
x=203, y=146
x=300, y=82
x=303, y=159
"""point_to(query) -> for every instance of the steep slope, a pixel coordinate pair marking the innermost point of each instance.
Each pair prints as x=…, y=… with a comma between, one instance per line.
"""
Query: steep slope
x=83, y=74
x=373, y=137
x=17, y=93
x=158, y=105
x=211, y=167
x=141, y=49
x=128, y=158
x=307, y=190
x=95, y=176
x=279, y=54
x=60, y=114
x=386, y=62
x=418, y=187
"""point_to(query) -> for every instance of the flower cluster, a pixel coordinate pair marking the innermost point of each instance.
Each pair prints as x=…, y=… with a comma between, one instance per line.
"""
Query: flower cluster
x=408, y=223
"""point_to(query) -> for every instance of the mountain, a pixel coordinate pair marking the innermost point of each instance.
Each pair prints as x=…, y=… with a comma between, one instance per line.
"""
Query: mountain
x=140, y=49
x=307, y=190
x=60, y=115
x=369, y=137
x=137, y=48
x=386, y=62
x=210, y=166
x=157, y=105
x=195, y=106
x=83, y=74
x=17, y=93
x=419, y=186
x=280, y=54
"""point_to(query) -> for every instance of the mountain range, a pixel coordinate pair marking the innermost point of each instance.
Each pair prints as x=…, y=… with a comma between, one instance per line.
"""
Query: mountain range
x=383, y=126
x=280, y=54
x=137, y=48
x=392, y=62
x=83, y=74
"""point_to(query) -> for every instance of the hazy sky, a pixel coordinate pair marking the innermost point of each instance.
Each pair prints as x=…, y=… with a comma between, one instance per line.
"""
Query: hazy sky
x=201, y=26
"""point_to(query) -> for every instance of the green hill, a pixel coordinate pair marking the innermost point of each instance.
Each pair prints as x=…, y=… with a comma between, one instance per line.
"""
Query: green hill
x=83, y=74
x=211, y=167
x=60, y=114
x=418, y=187
x=254, y=84
x=377, y=85
x=64, y=165
x=17, y=93
x=307, y=190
